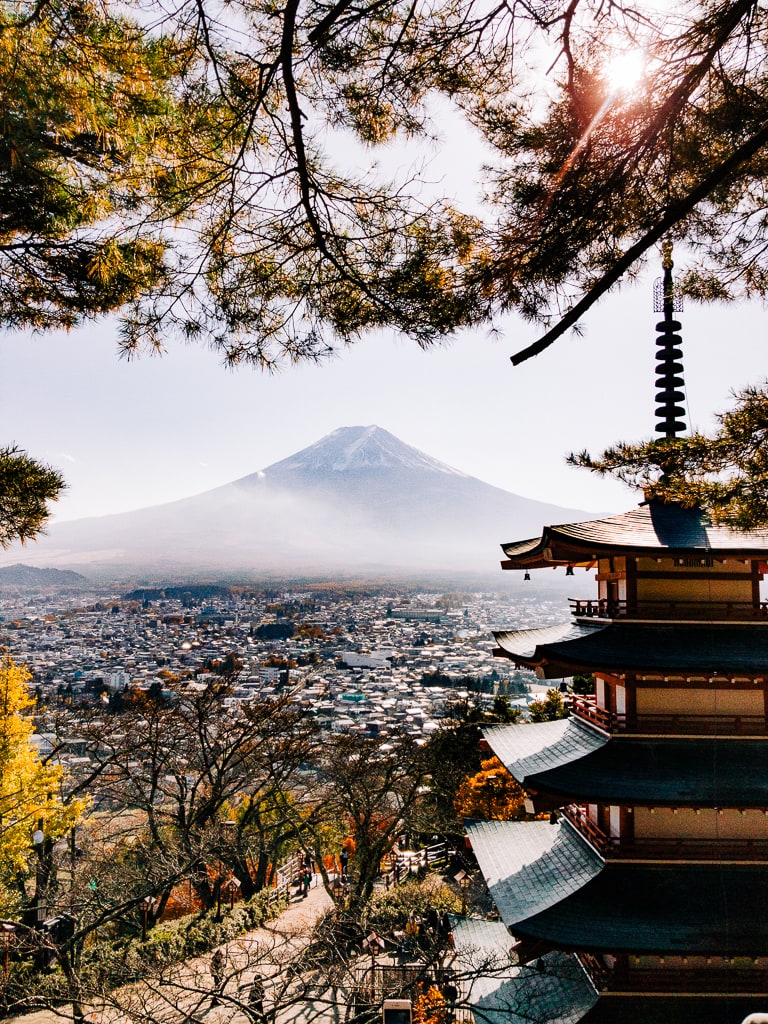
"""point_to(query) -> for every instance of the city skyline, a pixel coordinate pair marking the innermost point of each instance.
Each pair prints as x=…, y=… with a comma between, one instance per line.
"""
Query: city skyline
x=133, y=434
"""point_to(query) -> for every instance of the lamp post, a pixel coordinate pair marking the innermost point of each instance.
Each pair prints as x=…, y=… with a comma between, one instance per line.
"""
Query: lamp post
x=464, y=881
x=38, y=841
x=374, y=945
x=8, y=930
x=146, y=905
x=490, y=781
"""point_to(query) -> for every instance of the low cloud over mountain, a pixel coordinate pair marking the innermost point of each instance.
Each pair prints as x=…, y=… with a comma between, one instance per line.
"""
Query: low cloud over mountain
x=358, y=500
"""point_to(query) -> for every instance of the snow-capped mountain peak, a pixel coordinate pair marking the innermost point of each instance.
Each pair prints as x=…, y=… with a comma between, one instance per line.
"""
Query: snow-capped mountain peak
x=358, y=449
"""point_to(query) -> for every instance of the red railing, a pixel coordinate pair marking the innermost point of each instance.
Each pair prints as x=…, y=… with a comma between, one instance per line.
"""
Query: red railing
x=674, y=848
x=603, y=608
x=586, y=707
x=577, y=816
x=689, y=724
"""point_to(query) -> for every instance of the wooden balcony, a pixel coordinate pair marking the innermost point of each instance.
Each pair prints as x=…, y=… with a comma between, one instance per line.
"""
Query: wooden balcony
x=614, y=848
x=585, y=708
x=689, y=611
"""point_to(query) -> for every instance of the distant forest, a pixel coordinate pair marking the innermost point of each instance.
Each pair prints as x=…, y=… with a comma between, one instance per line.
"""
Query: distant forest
x=492, y=683
x=187, y=593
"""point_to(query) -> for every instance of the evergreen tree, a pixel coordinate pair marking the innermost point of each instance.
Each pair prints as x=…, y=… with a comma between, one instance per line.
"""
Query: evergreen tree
x=549, y=708
x=187, y=172
x=26, y=487
x=725, y=473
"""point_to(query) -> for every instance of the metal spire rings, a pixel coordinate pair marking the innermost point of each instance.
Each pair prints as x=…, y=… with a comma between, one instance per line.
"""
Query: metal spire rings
x=669, y=354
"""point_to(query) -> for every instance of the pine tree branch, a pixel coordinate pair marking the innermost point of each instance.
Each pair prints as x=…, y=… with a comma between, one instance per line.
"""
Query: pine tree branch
x=677, y=212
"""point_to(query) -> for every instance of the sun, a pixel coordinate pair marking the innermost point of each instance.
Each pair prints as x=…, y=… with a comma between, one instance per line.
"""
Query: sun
x=624, y=72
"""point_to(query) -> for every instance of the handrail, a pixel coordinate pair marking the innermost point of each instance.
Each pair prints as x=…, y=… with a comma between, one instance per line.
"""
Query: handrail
x=577, y=816
x=586, y=707
x=609, y=608
x=661, y=848
x=688, y=724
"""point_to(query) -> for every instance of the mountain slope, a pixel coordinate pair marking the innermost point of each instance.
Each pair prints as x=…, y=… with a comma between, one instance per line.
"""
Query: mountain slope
x=358, y=499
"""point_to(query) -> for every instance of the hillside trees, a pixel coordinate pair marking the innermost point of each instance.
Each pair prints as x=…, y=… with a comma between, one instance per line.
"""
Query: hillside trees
x=491, y=793
x=206, y=785
x=380, y=788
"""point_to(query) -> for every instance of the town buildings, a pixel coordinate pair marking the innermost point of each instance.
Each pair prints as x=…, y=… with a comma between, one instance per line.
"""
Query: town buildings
x=355, y=661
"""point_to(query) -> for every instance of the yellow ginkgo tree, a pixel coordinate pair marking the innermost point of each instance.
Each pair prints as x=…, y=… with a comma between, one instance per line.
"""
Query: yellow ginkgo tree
x=491, y=793
x=33, y=814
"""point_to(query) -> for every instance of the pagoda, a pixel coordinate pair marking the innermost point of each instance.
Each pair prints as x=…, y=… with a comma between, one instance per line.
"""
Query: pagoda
x=642, y=894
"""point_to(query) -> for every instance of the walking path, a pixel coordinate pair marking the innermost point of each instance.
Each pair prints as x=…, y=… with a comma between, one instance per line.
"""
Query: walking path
x=186, y=993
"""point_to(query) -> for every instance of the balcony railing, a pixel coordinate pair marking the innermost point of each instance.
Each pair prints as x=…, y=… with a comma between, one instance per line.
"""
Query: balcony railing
x=675, y=848
x=576, y=815
x=720, y=978
x=705, y=611
x=688, y=724
x=586, y=707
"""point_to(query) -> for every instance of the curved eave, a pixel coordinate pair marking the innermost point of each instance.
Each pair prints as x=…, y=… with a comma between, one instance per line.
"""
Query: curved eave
x=574, y=762
x=705, y=910
x=555, y=988
x=653, y=529
x=631, y=646
x=528, y=750
x=530, y=866
x=534, y=648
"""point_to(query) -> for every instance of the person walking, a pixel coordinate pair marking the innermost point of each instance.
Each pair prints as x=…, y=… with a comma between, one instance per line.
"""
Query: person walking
x=217, y=976
x=256, y=1001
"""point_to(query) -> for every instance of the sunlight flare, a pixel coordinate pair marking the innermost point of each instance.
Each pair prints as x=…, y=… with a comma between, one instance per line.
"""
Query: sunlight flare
x=624, y=72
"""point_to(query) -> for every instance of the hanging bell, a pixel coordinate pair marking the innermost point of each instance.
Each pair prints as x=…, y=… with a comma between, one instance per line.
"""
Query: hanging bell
x=569, y=570
x=526, y=575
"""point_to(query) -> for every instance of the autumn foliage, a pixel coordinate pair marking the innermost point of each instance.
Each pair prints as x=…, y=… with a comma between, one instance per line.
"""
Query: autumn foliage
x=491, y=793
x=430, y=1007
x=29, y=789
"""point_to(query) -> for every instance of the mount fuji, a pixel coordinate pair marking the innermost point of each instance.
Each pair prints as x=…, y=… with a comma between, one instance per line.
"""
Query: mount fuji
x=358, y=500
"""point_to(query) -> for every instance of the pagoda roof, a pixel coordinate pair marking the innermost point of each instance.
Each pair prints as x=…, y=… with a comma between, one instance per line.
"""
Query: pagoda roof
x=500, y=992
x=556, y=990
x=669, y=648
x=654, y=528
x=547, y=863
x=571, y=760
x=534, y=747
x=703, y=909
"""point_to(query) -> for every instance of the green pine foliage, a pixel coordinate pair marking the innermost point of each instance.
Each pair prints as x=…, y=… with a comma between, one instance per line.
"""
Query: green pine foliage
x=26, y=487
x=725, y=473
x=185, y=169
x=548, y=708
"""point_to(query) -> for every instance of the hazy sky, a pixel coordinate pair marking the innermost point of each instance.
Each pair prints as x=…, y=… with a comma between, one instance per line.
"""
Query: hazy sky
x=131, y=434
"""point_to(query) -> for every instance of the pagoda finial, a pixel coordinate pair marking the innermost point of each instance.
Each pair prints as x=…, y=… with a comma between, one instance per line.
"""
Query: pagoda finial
x=669, y=354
